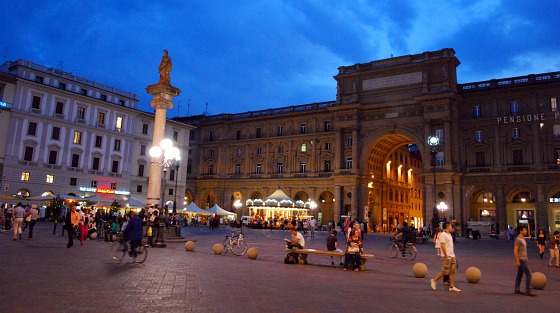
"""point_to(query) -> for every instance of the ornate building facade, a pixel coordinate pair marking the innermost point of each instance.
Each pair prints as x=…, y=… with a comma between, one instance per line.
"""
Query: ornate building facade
x=366, y=155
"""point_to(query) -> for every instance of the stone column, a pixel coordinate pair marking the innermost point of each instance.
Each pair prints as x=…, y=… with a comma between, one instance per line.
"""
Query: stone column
x=339, y=201
x=355, y=197
x=163, y=95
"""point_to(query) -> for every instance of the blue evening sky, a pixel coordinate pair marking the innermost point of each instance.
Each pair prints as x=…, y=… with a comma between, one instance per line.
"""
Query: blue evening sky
x=249, y=55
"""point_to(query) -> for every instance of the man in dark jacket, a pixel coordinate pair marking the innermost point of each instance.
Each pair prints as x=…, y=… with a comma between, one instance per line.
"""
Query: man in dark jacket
x=133, y=232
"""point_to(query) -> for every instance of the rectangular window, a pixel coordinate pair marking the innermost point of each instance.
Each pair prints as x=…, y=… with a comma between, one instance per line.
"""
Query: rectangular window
x=303, y=147
x=73, y=181
x=98, y=141
x=280, y=131
x=258, y=132
x=238, y=135
x=32, y=129
x=95, y=164
x=52, y=156
x=83, y=91
x=55, y=135
x=145, y=129
x=25, y=176
x=348, y=163
x=302, y=167
x=175, y=135
x=117, y=145
x=349, y=141
x=476, y=111
x=327, y=165
x=514, y=107
x=141, y=170
x=28, y=154
x=138, y=188
x=39, y=79
x=121, y=102
x=50, y=179
x=279, y=167
x=170, y=191
x=36, y=103
x=59, y=108
x=327, y=127
x=439, y=134
x=94, y=184
x=210, y=169
x=75, y=160
x=62, y=86
x=114, y=186
x=142, y=149
x=119, y=123
x=516, y=133
x=302, y=128
x=557, y=156
x=103, y=97
x=440, y=159
x=81, y=113
x=478, y=136
x=100, y=119
x=517, y=157
x=259, y=151
x=77, y=137
x=280, y=149
x=258, y=169
x=554, y=104
x=172, y=175
x=327, y=146
x=237, y=169
x=480, y=158
x=115, y=166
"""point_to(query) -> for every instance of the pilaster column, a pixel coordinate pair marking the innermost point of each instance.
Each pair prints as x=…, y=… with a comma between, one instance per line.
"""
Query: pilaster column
x=355, y=150
x=339, y=201
x=355, y=197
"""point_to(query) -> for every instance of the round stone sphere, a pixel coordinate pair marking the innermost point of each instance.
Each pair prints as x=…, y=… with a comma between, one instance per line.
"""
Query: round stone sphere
x=218, y=248
x=538, y=280
x=420, y=270
x=189, y=246
x=93, y=236
x=252, y=253
x=473, y=274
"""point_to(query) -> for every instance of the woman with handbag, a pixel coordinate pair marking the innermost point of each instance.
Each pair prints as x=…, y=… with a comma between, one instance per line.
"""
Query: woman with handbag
x=354, y=247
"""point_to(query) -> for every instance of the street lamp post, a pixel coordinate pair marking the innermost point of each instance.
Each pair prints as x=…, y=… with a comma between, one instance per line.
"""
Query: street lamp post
x=176, y=177
x=433, y=141
x=164, y=155
x=443, y=208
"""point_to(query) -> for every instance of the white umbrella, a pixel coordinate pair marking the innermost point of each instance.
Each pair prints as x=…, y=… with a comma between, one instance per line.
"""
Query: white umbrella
x=48, y=197
x=132, y=203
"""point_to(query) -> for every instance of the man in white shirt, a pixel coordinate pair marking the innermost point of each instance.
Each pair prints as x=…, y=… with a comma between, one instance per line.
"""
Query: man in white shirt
x=18, y=214
x=449, y=263
x=312, y=225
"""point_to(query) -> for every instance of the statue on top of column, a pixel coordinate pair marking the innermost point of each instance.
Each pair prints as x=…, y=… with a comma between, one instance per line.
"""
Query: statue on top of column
x=164, y=69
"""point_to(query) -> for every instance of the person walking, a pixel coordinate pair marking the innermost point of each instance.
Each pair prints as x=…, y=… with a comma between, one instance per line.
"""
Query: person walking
x=520, y=254
x=312, y=225
x=18, y=214
x=541, y=242
x=34, y=214
x=553, y=247
x=449, y=263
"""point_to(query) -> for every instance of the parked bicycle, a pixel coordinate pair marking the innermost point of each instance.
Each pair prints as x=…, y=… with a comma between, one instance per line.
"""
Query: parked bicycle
x=120, y=248
x=235, y=244
x=395, y=247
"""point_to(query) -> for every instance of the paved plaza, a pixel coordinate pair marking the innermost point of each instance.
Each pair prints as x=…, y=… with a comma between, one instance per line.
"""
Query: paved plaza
x=42, y=275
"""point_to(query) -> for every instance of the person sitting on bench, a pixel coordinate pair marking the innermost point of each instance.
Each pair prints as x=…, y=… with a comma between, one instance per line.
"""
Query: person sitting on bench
x=296, y=241
x=332, y=245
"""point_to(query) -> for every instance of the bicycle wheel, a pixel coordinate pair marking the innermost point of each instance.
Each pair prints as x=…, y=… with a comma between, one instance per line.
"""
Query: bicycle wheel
x=226, y=246
x=239, y=247
x=392, y=250
x=117, y=249
x=141, y=254
x=410, y=253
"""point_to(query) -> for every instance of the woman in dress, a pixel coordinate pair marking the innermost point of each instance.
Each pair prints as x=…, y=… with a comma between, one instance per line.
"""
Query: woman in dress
x=436, y=241
x=541, y=242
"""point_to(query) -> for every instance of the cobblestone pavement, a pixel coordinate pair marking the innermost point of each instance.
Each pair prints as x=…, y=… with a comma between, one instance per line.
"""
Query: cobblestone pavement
x=42, y=275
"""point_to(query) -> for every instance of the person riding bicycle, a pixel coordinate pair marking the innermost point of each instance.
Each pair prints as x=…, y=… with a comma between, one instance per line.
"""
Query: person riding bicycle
x=404, y=235
x=133, y=232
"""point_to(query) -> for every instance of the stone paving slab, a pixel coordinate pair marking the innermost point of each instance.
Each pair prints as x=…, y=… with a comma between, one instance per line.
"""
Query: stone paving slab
x=44, y=276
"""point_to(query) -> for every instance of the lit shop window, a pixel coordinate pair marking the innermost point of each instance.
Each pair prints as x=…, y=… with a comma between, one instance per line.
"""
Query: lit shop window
x=25, y=176
x=50, y=179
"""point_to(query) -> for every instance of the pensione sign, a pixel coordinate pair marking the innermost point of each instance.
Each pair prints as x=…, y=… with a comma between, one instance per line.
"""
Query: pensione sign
x=525, y=118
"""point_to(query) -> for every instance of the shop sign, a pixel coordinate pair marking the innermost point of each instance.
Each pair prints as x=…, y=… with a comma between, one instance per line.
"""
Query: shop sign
x=105, y=191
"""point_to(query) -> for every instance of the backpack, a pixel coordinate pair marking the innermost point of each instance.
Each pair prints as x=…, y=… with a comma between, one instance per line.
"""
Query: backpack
x=289, y=259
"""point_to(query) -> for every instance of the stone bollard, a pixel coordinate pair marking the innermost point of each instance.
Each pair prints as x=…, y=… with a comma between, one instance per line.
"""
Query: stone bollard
x=538, y=280
x=473, y=275
x=218, y=248
x=189, y=246
x=252, y=253
x=420, y=270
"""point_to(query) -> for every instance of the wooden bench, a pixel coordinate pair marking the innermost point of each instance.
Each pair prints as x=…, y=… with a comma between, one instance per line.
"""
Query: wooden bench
x=305, y=252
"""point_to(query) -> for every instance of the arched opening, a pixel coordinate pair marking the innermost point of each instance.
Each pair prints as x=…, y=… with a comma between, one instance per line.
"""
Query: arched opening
x=483, y=206
x=553, y=209
x=521, y=209
x=325, y=208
